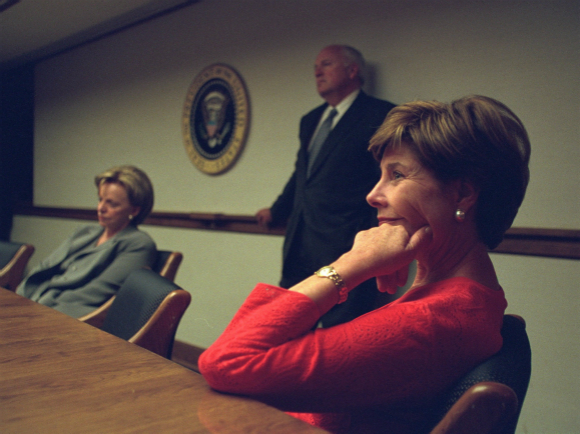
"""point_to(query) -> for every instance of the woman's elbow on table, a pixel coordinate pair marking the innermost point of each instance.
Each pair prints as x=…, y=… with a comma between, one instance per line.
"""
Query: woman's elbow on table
x=234, y=373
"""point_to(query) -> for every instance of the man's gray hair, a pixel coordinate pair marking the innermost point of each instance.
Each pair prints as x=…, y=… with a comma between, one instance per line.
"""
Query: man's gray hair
x=352, y=55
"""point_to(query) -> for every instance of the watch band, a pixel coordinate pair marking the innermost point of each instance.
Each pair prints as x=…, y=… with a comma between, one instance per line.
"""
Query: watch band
x=329, y=272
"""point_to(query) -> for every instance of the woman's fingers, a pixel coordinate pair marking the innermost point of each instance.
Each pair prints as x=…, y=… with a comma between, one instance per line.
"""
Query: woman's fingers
x=385, y=251
x=420, y=238
x=387, y=284
x=391, y=282
x=402, y=275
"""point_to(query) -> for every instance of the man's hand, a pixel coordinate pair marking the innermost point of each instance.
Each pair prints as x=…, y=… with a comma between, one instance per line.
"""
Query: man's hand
x=264, y=217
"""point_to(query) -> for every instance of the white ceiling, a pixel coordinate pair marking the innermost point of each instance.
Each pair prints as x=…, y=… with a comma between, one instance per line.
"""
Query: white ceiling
x=33, y=29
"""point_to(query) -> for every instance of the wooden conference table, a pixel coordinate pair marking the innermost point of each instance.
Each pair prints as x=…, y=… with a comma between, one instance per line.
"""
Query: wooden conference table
x=59, y=375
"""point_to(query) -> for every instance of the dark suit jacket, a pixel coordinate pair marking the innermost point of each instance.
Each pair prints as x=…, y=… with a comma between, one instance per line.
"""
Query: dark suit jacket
x=78, y=276
x=324, y=212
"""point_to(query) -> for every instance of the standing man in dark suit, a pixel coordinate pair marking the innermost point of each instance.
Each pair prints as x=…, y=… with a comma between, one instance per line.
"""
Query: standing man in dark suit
x=324, y=203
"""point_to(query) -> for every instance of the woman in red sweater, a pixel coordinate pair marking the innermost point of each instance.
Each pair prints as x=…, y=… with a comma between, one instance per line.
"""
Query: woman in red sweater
x=453, y=178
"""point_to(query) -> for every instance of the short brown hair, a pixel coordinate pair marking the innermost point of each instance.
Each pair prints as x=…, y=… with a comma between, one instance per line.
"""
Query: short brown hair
x=137, y=184
x=475, y=138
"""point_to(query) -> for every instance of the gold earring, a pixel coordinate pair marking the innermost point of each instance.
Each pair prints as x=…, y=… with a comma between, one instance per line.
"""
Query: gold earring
x=460, y=215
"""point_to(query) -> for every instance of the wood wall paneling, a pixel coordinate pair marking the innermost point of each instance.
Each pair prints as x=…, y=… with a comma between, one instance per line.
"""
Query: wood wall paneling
x=555, y=243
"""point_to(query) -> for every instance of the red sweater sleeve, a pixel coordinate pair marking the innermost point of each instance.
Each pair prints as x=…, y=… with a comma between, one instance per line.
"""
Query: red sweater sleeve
x=406, y=351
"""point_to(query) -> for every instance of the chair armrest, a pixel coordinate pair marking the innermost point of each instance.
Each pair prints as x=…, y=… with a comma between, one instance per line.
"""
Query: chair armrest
x=481, y=409
x=157, y=335
x=97, y=317
x=11, y=275
x=169, y=269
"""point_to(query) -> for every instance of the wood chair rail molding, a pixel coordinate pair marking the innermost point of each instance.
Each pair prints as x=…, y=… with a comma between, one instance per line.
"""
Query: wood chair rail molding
x=554, y=243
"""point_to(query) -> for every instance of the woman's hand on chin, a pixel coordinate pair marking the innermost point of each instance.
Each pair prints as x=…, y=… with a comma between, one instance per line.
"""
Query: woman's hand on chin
x=384, y=251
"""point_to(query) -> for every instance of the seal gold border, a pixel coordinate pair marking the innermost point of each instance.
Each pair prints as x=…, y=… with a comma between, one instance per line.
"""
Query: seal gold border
x=227, y=78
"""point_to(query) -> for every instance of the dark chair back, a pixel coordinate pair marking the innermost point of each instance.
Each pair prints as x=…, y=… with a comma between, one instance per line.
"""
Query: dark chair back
x=147, y=310
x=166, y=264
x=511, y=367
x=13, y=260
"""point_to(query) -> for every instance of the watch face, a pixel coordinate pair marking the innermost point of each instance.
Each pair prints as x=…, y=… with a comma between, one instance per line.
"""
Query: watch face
x=326, y=271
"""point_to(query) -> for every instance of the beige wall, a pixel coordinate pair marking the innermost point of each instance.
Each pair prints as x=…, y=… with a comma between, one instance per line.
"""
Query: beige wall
x=120, y=100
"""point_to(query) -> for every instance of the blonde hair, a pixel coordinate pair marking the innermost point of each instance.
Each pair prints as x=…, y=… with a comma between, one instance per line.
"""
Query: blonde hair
x=475, y=138
x=137, y=184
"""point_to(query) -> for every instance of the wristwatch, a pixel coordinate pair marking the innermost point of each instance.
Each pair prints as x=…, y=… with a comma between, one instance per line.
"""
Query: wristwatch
x=329, y=272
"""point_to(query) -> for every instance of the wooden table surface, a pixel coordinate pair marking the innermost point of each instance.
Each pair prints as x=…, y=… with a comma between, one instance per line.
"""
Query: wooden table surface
x=59, y=375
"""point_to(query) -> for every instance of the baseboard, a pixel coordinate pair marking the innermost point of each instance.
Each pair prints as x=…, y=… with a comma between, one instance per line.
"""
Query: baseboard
x=186, y=354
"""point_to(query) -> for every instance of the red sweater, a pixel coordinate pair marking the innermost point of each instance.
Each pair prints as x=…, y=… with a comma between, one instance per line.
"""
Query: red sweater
x=402, y=354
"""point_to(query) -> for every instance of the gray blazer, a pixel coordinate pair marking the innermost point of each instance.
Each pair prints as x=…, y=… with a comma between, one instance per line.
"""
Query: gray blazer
x=79, y=276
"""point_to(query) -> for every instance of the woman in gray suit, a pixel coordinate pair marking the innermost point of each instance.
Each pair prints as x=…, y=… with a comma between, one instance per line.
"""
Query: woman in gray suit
x=90, y=266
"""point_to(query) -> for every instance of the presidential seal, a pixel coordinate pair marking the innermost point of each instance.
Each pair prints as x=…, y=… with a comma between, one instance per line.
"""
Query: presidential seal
x=216, y=119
